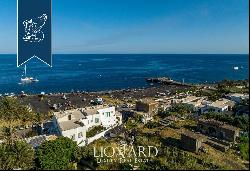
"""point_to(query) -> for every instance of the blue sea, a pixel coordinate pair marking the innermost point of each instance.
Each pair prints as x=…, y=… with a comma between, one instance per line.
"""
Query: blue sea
x=109, y=72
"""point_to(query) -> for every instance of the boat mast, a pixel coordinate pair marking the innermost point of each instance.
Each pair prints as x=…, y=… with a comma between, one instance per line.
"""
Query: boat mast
x=25, y=70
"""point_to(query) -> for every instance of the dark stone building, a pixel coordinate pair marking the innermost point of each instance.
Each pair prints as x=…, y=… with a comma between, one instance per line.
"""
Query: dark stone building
x=191, y=141
x=147, y=106
x=218, y=129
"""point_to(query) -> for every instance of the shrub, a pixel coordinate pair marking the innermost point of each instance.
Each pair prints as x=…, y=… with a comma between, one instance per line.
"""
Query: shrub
x=57, y=155
x=93, y=131
x=16, y=155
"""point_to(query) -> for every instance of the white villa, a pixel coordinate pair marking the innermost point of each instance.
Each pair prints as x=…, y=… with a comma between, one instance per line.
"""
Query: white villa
x=75, y=123
x=220, y=105
x=193, y=101
x=202, y=105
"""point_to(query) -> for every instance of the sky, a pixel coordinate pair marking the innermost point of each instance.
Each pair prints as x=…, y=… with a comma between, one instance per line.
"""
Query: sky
x=139, y=26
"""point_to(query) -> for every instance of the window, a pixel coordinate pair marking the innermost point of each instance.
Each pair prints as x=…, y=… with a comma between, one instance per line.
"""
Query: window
x=73, y=137
x=96, y=120
x=80, y=135
x=108, y=114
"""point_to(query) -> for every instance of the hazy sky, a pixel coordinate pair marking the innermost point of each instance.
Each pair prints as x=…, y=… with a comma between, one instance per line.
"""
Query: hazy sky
x=139, y=26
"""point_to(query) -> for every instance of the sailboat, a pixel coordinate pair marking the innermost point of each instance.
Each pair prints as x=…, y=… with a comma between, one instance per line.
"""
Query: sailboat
x=26, y=79
x=236, y=68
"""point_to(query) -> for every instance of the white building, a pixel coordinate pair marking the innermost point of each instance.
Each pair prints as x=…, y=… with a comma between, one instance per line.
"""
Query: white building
x=193, y=101
x=75, y=123
x=220, y=105
x=101, y=116
x=69, y=124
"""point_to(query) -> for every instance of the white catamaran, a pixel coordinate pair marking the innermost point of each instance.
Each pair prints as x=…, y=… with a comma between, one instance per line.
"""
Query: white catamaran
x=26, y=79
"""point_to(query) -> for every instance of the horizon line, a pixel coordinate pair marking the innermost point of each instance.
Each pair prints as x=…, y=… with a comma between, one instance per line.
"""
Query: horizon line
x=139, y=54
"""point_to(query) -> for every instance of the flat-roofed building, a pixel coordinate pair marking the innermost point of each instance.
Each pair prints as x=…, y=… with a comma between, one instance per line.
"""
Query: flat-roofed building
x=238, y=97
x=75, y=123
x=69, y=124
x=147, y=105
x=192, y=141
x=218, y=129
x=105, y=116
x=193, y=101
x=220, y=105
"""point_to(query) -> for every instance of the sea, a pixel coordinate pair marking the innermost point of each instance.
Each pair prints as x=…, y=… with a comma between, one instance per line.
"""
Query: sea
x=98, y=72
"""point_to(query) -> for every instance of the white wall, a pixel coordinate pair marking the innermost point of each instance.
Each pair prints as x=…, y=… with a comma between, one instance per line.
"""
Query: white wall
x=107, y=119
x=75, y=132
x=96, y=137
x=90, y=120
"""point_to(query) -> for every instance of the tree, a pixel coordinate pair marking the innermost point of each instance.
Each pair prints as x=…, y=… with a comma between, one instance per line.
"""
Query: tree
x=13, y=114
x=17, y=155
x=57, y=155
x=238, y=121
x=180, y=109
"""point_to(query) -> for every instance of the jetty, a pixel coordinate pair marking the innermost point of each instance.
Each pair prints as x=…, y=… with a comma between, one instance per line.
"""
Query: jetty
x=165, y=81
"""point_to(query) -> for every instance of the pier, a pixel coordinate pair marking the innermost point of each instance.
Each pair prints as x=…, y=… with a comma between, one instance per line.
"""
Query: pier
x=165, y=81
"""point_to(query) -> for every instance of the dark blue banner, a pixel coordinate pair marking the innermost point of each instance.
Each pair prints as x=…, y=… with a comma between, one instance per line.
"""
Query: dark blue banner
x=34, y=31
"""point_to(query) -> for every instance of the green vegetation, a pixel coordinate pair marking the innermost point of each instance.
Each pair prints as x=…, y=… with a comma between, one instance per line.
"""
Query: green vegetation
x=212, y=95
x=95, y=130
x=12, y=115
x=223, y=88
x=169, y=157
x=238, y=121
x=244, y=147
x=134, y=121
x=180, y=109
x=232, y=86
x=11, y=110
x=86, y=154
x=152, y=125
x=16, y=155
x=175, y=159
x=59, y=154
